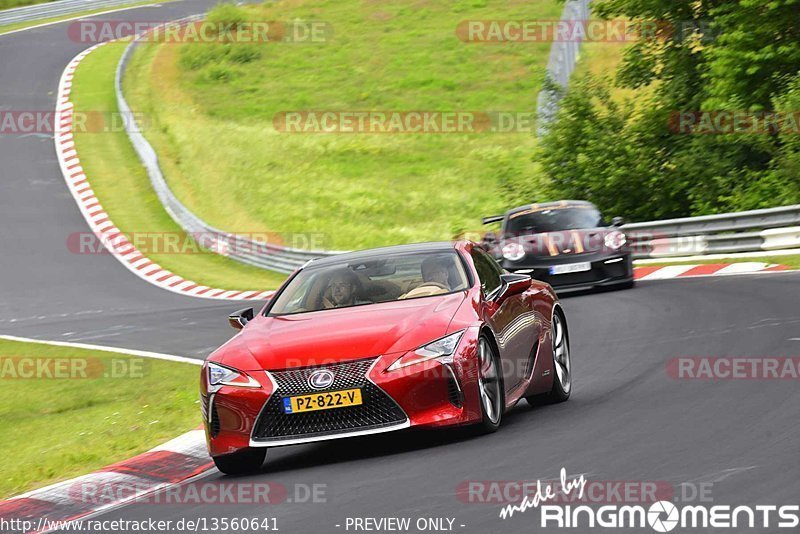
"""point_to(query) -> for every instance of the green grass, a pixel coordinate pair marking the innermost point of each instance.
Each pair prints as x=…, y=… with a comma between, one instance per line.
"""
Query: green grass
x=122, y=186
x=8, y=4
x=223, y=158
x=58, y=428
x=792, y=261
x=21, y=25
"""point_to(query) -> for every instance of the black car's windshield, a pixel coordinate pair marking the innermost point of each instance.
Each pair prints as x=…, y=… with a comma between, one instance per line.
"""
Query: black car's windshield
x=369, y=281
x=552, y=220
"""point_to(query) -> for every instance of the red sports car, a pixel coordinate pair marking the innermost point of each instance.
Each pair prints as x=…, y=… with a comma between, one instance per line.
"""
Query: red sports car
x=425, y=335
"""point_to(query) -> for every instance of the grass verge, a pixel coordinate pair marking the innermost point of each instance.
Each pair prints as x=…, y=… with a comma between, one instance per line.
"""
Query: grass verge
x=58, y=428
x=122, y=185
x=213, y=108
x=10, y=4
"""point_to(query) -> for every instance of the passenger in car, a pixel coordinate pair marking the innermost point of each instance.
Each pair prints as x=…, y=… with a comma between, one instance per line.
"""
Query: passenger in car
x=436, y=270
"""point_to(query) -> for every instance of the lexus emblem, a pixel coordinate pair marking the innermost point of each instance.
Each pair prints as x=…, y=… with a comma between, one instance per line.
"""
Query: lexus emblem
x=320, y=379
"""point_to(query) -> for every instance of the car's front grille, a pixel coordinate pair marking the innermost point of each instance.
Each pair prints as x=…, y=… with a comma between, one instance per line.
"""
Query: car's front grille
x=377, y=410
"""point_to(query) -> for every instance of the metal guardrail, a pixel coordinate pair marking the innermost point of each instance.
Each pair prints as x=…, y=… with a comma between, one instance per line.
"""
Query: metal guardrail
x=55, y=9
x=725, y=222
x=253, y=252
x=726, y=233
x=560, y=66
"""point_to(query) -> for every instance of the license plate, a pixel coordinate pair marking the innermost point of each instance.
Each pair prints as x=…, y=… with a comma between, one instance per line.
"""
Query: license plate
x=571, y=268
x=322, y=401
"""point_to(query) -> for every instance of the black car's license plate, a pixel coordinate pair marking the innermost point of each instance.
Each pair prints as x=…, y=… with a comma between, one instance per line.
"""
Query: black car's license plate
x=571, y=268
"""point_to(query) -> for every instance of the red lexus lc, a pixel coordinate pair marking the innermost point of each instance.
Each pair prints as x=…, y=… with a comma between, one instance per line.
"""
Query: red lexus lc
x=425, y=335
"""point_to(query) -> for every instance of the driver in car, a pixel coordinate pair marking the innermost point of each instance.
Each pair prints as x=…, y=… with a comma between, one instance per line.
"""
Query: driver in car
x=343, y=290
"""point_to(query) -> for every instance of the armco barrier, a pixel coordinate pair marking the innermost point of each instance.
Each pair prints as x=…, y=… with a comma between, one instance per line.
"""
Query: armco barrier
x=725, y=222
x=727, y=233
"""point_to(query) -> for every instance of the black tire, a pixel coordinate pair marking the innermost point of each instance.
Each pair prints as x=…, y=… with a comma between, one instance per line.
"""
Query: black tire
x=490, y=382
x=242, y=462
x=561, y=389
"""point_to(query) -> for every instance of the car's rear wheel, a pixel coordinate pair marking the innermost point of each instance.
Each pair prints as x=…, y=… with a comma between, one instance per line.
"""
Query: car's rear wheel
x=490, y=386
x=562, y=365
x=242, y=462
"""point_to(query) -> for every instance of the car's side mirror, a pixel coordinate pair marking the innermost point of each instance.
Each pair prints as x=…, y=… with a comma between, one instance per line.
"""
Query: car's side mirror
x=513, y=284
x=240, y=318
x=490, y=237
x=617, y=221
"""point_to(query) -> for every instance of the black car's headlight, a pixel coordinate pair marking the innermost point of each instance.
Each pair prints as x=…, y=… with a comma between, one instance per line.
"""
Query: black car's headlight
x=513, y=251
x=615, y=240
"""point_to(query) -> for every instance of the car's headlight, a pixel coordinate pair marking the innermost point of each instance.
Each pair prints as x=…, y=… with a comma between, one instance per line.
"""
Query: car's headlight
x=442, y=349
x=615, y=240
x=513, y=251
x=219, y=376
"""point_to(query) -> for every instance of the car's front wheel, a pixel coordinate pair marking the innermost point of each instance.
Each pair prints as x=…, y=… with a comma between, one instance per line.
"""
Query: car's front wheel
x=490, y=386
x=241, y=462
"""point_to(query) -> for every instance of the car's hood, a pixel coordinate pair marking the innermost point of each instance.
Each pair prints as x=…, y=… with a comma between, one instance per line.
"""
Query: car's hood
x=329, y=336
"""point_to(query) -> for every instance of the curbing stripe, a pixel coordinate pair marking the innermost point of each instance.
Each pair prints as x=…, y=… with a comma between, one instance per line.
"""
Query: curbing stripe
x=646, y=273
x=97, y=218
x=670, y=271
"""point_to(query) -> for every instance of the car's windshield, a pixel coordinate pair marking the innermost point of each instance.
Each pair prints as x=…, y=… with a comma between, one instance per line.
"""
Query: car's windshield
x=552, y=220
x=382, y=278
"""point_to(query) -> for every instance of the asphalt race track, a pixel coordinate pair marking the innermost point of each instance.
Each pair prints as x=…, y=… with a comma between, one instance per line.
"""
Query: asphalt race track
x=627, y=419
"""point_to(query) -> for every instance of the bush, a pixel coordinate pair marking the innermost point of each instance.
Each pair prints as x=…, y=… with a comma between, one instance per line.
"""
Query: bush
x=631, y=164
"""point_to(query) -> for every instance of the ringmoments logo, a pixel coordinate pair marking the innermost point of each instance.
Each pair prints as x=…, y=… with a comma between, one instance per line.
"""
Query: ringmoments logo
x=661, y=516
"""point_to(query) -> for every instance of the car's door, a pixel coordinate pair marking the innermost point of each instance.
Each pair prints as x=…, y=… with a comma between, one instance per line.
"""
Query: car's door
x=511, y=318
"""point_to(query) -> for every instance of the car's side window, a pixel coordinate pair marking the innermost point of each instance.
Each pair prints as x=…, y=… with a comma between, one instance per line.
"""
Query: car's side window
x=488, y=270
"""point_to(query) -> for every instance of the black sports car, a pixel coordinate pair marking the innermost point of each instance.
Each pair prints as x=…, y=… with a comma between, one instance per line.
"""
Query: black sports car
x=564, y=243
